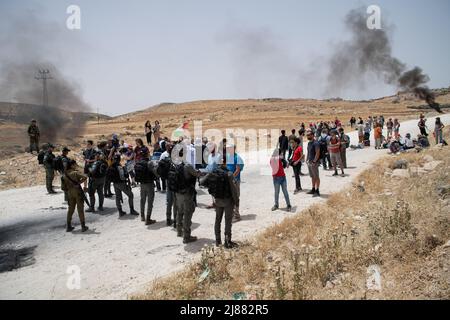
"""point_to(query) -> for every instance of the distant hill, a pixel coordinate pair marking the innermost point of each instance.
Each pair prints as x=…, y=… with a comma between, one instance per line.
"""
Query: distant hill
x=22, y=113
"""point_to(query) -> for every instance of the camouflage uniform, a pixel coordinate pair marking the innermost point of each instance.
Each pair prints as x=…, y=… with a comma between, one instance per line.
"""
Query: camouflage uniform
x=96, y=184
x=73, y=179
x=185, y=202
x=65, y=161
x=49, y=170
x=34, y=134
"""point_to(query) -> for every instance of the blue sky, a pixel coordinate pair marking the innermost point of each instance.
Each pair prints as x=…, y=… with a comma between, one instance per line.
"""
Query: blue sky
x=132, y=54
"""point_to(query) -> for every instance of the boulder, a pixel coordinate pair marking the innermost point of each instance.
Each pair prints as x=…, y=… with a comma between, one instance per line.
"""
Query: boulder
x=401, y=173
x=400, y=164
x=430, y=166
x=428, y=158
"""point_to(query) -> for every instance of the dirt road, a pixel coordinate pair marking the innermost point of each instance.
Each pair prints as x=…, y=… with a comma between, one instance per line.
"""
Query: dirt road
x=117, y=258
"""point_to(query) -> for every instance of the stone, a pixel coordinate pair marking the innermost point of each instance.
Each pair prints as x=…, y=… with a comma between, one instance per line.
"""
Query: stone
x=400, y=164
x=401, y=173
x=373, y=281
x=3, y=173
x=428, y=158
x=430, y=166
x=447, y=244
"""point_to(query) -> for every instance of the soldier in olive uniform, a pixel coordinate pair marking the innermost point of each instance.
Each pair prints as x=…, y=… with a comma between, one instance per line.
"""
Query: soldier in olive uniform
x=73, y=180
x=118, y=175
x=226, y=198
x=49, y=169
x=97, y=176
x=185, y=195
x=34, y=134
x=65, y=162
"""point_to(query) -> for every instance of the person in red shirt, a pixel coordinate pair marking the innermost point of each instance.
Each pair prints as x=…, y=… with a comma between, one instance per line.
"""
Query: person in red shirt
x=296, y=163
x=278, y=163
x=334, y=149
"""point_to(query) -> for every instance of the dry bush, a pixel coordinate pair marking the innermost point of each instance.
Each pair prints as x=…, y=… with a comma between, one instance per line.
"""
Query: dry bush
x=324, y=251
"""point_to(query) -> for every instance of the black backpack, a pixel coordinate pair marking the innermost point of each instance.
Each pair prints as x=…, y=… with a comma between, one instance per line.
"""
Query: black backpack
x=218, y=184
x=176, y=179
x=58, y=164
x=323, y=147
x=40, y=157
x=142, y=172
x=99, y=169
x=163, y=169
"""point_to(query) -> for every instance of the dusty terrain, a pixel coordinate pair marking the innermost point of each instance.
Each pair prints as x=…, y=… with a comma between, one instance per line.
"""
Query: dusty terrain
x=21, y=170
x=387, y=236
x=120, y=258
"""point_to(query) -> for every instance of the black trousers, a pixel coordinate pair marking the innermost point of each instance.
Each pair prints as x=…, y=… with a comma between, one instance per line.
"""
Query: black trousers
x=149, y=138
x=297, y=170
x=423, y=132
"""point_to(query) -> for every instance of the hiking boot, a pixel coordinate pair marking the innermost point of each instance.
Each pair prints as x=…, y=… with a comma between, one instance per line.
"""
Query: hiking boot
x=84, y=228
x=316, y=194
x=311, y=192
x=52, y=192
x=218, y=242
x=179, y=233
x=134, y=212
x=335, y=174
x=69, y=228
x=298, y=190
x=121, y=213
x=189, y=239
x=142, y=217
x=289, y=209
x=343, y=175
x=169, y=222
x=149, y=222
x=230, y=244
x=236, y=219
x=100, y=209
x=175, y=224
x=274, y=208
x=90, y=209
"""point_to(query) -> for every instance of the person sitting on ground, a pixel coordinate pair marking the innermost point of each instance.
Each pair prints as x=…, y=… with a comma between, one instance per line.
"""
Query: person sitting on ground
x=423, y=141
x=408, y=143
x=394, y=146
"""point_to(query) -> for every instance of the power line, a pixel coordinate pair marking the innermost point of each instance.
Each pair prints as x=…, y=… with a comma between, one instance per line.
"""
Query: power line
x=44, y=75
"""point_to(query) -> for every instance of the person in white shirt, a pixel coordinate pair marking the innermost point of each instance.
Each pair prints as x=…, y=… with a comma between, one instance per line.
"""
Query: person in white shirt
x=408, y=143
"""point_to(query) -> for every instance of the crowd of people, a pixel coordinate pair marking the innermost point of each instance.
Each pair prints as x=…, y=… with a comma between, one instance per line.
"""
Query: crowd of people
x=174, y=168
x=327, y=148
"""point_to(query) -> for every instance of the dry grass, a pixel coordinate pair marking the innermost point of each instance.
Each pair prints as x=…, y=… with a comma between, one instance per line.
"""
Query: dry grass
x=323, y=252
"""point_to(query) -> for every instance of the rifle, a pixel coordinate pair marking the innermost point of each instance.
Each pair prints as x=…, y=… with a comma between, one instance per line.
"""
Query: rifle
x=83, y=194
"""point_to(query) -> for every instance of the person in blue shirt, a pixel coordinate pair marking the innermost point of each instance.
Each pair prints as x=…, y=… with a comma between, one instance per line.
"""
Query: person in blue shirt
x=235, y=164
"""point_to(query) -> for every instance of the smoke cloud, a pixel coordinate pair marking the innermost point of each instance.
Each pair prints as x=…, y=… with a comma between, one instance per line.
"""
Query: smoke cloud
x=33, y=44
x=369, y=53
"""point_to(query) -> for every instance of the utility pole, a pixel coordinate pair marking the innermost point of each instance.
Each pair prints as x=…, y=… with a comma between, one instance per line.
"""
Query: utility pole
x=44, y=75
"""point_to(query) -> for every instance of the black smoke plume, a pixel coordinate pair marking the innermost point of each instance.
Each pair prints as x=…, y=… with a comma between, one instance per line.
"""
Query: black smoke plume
x=368, y=53
x=30, y=44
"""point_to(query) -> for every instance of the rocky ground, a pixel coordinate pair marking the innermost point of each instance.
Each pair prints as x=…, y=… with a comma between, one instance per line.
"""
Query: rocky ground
x=121, y=257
